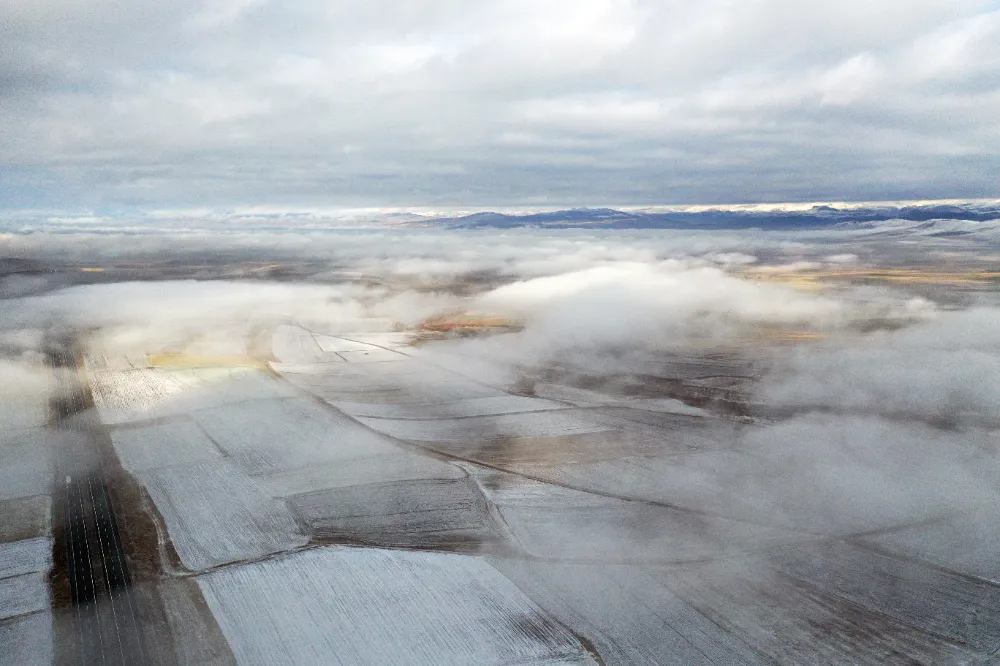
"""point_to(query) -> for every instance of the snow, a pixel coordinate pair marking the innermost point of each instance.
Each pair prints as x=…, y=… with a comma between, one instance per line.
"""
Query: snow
x=96, y=360
x=373, y=355
x=270, y=436
x=399, y=466
x=329, y=343
x=630, y=619
x=172, y=443
x=962, y=609
x=790, y=622
x=20, y=595
x=27, y=640
x=291, y=344
x=394, y=340
x=485, y=428
x=131, y=395
x=136, y=395
x=24, y=405
x=968, y=544
x=587, y=398
x=491, y=405
x=25, y=556
x=688, y=480
x=25, y=518
x=27, y=463
x=442, y=513
x=401, y=382
x=303, y=368
x=368, y=606
x=553, y=522
x=216, y=514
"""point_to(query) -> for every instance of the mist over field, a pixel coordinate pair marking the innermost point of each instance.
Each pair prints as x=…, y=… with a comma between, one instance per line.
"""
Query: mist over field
x=689, y=416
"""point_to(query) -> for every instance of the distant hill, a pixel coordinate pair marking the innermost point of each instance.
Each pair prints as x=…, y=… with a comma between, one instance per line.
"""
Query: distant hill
x=819, y=216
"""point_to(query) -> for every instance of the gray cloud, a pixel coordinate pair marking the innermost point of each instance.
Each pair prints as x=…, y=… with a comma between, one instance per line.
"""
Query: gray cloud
x=246, y=101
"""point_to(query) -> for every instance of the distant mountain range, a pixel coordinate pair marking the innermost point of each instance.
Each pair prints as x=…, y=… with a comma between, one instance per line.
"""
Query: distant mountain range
x=819, y=216
x=931, y=218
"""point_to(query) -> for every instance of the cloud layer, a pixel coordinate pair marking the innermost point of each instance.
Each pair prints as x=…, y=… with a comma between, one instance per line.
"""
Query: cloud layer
x=230, y=102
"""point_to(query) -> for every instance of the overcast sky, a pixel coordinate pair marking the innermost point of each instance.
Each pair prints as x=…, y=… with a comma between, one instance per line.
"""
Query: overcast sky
x=119, y=103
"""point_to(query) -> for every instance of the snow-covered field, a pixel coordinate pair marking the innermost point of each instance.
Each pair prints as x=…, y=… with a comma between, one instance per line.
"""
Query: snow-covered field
x=20, y=595
x=175, y=442
x=26, y=479
x=25, y=556
x=499, y=528
x=382, y=468
x=549, y=521
x=630, y=620
x=216, y=514
x=476, y=429
x=493, y=405
x=367, y=606
x=130, y=396
x=443, y=513
x=27, y=639
x=268, y=436
x=27, y=463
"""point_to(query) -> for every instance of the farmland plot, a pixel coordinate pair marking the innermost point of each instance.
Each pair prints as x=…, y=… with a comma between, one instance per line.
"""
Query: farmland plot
x=425, y=513
x=679, y=433
x=373, y=355
x=485, y=428
x=694, y=480
x=531, y=455
x=23, y=412
x=136, y=395
x=587, y=398
x=25, y=518
x=95, y=360
x=435, y=608
x=792, y=622
x=399, y=466
x=292, y=369
x=488, y=406
x=401, y=382
x=393, y=340
x=958, y=608
x=603, y=438
x=967, y=544
x=27, y=406
x=554, y=522
x=20, y=595
x=291, y=344
x=132, y=395
x=216, y=514
x=333, y=344
x=27, y=640
x=27, y=462
x=26, y=556
x=173, y=443
x=268, y=436
x=629, y=620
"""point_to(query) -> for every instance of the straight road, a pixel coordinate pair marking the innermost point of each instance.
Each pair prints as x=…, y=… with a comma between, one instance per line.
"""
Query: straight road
x=108, y=629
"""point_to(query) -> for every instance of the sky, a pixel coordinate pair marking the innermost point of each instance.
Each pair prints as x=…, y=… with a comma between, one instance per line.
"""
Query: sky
x=129, y=104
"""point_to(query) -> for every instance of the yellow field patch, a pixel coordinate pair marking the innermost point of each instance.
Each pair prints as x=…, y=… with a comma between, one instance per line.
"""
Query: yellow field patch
x=205, y=361
x=813, y=279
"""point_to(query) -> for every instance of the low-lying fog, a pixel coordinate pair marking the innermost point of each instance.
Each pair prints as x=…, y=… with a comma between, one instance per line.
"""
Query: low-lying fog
x=877, y=396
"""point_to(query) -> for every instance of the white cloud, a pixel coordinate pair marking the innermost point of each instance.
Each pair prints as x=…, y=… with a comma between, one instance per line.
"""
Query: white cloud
x=850, y=80
x=247, y=101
